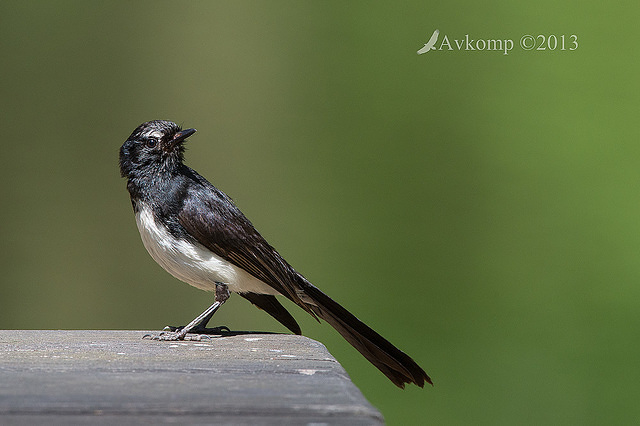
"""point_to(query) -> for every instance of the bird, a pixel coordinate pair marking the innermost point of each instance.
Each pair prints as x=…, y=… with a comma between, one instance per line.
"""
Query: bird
x=430, y=45
x=197, y=234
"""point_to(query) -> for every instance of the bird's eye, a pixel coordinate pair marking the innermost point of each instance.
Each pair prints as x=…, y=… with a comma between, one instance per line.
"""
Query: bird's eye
x=151, y=142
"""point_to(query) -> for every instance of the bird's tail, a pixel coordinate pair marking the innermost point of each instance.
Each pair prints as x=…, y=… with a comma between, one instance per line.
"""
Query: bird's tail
x=391, y=361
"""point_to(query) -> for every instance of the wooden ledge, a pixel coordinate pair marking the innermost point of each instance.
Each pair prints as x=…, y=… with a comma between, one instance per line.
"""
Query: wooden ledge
x=116, y=377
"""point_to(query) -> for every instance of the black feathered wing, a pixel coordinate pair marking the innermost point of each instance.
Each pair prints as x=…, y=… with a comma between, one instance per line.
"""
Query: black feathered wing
x=218, y=225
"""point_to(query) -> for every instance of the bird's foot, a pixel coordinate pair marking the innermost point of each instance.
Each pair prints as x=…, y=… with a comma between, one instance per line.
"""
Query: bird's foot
x=171, y=336
x=171, y=333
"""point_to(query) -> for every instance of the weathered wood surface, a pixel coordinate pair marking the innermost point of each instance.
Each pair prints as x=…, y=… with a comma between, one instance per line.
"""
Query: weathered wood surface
x=116, y=377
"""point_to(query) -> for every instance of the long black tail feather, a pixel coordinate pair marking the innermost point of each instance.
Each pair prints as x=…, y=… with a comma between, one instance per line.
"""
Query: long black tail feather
x=391, y=361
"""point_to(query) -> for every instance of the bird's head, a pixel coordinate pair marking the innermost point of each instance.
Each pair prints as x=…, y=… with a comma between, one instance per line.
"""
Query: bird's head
x=153, y=147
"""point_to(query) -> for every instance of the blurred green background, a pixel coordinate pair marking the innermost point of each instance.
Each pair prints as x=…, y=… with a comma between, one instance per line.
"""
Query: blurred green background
x=478, y=209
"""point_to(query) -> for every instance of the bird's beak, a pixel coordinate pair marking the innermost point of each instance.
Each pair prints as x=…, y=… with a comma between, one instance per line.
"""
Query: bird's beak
x=180, y=137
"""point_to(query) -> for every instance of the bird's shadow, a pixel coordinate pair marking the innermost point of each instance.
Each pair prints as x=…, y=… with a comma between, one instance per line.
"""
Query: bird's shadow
x=240, y=333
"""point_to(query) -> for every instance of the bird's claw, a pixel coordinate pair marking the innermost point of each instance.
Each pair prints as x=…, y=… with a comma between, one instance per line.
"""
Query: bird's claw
x=172, y=336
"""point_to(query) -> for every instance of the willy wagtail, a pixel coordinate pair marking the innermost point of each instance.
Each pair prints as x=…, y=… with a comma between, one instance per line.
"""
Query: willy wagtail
x=198, y=235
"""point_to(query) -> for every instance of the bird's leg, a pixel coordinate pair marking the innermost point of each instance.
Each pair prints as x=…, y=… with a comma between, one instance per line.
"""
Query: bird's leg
x=199, y=324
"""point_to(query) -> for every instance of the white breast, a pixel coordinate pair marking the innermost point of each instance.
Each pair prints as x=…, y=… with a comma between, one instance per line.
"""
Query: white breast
x=193, y=263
